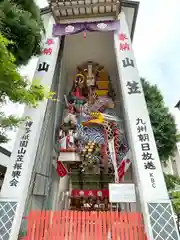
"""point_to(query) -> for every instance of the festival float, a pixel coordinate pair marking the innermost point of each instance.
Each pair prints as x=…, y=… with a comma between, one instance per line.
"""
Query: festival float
x=89, y=138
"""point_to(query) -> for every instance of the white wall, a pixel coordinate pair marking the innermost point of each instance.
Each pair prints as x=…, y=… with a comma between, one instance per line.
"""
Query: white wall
x=172, y=165
x=45, y=18
x=4, y=159
x=168, y=168
x=129, y=13
x=176, y=161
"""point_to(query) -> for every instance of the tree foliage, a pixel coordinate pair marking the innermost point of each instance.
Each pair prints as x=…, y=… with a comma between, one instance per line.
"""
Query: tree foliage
x=166, y=135
x=31, y=7
x=175, y=197
x=12, y=84
x=162, y=121
x=20, y=22
x=20, y=38
x=171, y=181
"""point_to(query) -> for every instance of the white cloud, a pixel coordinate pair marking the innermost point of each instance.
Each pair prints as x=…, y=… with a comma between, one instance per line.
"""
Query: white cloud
x=156, y=45
x=42, y=3
x=157, y=48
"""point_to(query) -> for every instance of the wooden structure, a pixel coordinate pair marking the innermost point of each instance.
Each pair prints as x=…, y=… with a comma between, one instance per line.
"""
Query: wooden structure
x=71, y=9
x=84, y=225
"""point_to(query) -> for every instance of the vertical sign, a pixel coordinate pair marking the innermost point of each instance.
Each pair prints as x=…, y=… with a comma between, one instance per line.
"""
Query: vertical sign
x=150, y=179
x=17, y=178
x=139, y=126
x=18, y=165
x=24, y=152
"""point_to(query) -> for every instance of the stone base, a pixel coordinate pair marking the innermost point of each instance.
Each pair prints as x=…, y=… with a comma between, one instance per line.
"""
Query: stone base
x=69, y=157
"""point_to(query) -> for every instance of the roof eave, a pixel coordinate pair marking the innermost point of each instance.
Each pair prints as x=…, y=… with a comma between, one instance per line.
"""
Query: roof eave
x=129, y=4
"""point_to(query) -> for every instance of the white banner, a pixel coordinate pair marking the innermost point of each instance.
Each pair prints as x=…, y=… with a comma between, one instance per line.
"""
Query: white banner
x=19, y=170
x=113, y=158
x=122, y=193
x=145, y=156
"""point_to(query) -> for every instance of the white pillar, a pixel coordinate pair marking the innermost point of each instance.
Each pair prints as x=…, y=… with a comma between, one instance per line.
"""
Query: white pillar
x=62, y=192
x=15, y=187
x=177, y=158
x=151, y=188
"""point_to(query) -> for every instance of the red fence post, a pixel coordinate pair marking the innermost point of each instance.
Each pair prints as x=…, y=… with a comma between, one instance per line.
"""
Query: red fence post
x=74, y=225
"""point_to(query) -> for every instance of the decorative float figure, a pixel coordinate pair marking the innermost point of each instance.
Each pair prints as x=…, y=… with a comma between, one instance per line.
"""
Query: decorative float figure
x=89, y=128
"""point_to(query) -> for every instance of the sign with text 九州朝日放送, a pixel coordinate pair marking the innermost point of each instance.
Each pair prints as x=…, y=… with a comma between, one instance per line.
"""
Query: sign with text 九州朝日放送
x=141, y=138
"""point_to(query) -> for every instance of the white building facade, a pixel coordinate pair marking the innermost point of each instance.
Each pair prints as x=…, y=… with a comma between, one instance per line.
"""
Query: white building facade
x=172, y=166
x=4, y=162
x=31, y=181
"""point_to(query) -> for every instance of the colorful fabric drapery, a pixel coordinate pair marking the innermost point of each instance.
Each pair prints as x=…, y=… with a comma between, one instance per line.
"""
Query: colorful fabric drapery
x=74, y=28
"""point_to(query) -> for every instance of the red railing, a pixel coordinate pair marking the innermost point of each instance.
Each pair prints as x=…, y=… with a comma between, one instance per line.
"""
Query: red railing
x=76, y=225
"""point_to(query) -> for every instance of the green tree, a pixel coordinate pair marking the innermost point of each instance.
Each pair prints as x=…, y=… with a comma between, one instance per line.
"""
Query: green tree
x=162, y=121
x=171, y=181
x=21, y=32
x=166, y=136
x=20, y=22
x=175, y=197
x=15, y=88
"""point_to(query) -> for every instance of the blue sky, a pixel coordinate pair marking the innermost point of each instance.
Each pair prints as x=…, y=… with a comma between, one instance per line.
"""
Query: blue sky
x=157, y=48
